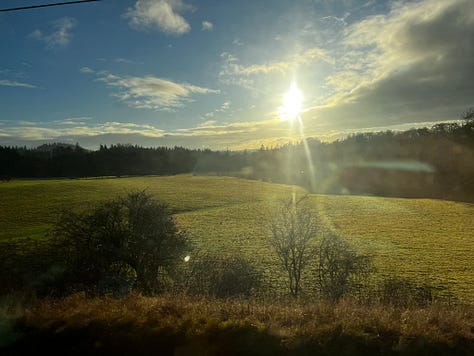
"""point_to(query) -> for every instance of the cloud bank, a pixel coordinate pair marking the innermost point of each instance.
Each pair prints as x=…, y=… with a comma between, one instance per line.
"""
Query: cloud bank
x=409, y=65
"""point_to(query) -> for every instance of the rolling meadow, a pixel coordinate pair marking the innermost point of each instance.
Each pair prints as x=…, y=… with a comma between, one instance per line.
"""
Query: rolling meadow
x=424, y=240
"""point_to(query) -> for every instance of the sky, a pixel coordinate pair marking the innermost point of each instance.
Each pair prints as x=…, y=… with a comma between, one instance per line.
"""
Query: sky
x=214, y=74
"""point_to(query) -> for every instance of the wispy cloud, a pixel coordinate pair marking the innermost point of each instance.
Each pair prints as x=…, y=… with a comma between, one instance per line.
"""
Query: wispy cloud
x=83, y=120
x=75, y=128
x=207, y=26
x=237, y=42
x=223, y=108
x=338, y=20
x=123, y=60
x=151, y=92
x=232, y=72
x=118, y=60
x=87, y=70
x=10, y=83
x=165, y=15
x=59, y=35
x=213, y=129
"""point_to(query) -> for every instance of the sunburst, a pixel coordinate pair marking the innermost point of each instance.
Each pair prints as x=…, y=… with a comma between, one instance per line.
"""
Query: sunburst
x=292, y=104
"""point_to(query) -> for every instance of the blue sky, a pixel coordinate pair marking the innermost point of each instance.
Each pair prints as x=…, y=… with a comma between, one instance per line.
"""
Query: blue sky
x=213, y=74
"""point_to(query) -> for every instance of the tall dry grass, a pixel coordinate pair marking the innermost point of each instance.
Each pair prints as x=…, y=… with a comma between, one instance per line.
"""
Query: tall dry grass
x=174, y=325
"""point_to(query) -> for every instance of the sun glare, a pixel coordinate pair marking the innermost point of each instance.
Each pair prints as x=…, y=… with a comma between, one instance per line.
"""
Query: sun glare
x=292, y=102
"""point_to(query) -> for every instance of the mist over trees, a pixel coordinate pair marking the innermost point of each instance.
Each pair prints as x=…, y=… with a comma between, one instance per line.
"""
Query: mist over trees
x=435, y=162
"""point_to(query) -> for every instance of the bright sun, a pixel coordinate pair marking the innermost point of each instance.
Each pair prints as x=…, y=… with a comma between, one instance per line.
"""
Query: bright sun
x=291, y=107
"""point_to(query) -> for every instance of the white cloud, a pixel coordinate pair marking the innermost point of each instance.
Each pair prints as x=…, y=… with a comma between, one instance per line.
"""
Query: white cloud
x=11, y=83
x=162, y=14
x=60, y=34
x=86, y=70
x=207, y=26
x=152, y=92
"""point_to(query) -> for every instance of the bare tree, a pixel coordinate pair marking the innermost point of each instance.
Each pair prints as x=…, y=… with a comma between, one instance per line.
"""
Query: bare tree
x=293, y=229
x=340, y=269
x=468, y=115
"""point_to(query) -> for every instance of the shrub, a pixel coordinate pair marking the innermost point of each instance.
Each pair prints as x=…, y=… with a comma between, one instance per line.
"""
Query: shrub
x=121, y=243
x=30, y=266
x=402, y=292
x=221, y=276
x=340, y=270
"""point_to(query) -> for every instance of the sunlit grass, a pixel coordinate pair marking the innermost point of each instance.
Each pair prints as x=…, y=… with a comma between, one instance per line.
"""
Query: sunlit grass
x=28, y=208
x=428, y=241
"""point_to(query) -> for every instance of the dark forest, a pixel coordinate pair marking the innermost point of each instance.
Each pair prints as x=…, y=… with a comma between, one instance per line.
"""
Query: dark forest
x=435, y=162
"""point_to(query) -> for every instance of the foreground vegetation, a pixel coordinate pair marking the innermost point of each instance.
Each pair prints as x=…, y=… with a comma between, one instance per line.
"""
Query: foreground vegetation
x=171, y=325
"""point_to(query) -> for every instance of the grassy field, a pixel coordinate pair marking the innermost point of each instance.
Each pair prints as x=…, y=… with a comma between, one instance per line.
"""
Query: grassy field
x=429, y=241
x=29, y=208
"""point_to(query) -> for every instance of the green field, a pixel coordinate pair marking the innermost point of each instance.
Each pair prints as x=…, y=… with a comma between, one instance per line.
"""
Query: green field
x=429, y=241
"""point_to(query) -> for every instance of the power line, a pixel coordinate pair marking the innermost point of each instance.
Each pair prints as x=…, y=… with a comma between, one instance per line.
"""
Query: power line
x=46, y=5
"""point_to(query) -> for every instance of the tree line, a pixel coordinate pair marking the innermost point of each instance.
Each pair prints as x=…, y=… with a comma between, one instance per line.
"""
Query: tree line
x=436, y=162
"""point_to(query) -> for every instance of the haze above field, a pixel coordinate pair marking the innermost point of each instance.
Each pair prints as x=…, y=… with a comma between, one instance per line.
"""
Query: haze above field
x=214, y=74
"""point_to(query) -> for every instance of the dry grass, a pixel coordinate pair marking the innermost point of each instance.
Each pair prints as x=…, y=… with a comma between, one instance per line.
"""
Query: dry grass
x=185, y=325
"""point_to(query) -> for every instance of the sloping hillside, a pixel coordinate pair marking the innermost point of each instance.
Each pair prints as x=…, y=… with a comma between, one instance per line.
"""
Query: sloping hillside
x=430, y=241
